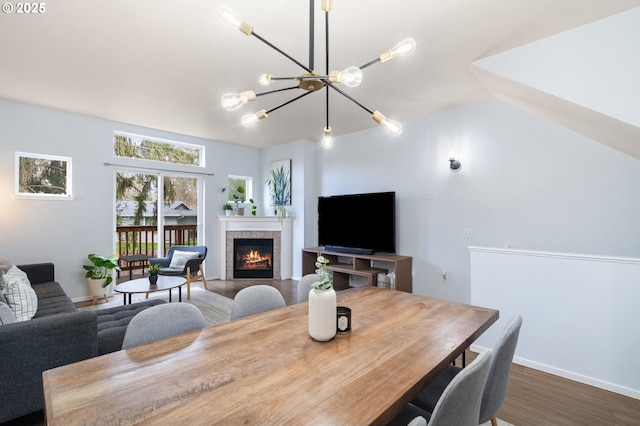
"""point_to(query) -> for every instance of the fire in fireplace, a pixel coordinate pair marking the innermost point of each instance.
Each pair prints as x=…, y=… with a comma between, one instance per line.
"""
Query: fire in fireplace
x=253, y=258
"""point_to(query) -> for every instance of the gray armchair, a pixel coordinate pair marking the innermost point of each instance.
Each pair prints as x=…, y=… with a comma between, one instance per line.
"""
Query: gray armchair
x=191, y=269
x=161, y=322
x=495, y=389
x=256, y=299
x=459, y=403
x=304, y=286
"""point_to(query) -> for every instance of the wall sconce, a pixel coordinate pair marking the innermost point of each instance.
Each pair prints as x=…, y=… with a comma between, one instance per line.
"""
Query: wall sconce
x=454, y=164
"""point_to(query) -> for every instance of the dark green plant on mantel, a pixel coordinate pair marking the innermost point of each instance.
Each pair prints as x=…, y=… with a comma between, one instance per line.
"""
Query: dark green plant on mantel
x=238, y=197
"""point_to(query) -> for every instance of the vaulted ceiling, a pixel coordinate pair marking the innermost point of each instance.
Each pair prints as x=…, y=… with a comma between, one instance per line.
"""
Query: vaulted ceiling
x=164, y=64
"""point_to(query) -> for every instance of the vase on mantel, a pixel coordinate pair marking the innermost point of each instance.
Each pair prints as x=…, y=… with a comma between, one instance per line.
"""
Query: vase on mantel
x=322, y=314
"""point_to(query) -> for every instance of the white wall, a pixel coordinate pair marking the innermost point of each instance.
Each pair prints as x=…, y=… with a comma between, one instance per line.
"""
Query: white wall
x=578, y=65
x=64, y=232
x=524, y=182
x=579, y=313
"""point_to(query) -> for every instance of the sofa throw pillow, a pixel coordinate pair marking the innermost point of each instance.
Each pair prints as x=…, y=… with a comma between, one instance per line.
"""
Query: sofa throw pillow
x=6, y=314
x=5, y=265
x=13, y=272
x=180, y=258
x=21, y=298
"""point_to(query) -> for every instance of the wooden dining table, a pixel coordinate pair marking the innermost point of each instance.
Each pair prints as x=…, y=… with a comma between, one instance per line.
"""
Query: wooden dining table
x=266, y=370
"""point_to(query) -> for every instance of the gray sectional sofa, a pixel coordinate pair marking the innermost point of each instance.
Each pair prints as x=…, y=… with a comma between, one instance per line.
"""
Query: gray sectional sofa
x=57, y=335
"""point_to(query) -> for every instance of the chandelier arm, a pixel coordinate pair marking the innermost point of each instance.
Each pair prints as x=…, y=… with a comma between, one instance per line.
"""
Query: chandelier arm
x=276, y=90
x=368, y=64
x=288, y=102
x=304, y=67
x=346, y=95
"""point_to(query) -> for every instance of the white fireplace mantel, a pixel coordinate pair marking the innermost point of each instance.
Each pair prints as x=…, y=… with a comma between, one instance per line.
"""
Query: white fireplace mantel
x=256, y=223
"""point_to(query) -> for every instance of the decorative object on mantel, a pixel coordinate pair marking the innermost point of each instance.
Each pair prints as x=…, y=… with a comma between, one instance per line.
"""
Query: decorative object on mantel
x=153, y=273
x=238, y=195
x=100, y=274
x=239, y=199
x=279, y=184
x=322, y=304
x=311, y=81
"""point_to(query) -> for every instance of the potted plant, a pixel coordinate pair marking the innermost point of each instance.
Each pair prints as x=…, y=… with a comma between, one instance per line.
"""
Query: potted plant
x=238, y=195
x=280, y=192
x=322, y=304
x=228, y=208
x=153, y=273
x=239, y=199
x=100, y=274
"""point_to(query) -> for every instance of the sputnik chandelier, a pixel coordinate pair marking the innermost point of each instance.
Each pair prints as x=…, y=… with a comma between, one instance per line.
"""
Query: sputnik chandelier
x=311, y=81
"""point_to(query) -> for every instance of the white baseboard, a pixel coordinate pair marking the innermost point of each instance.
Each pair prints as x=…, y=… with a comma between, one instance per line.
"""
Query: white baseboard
x=631, y=393
x=81, y=299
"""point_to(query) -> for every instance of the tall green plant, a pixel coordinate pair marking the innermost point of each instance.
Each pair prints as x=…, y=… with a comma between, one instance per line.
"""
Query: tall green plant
x=101, y=267
x=280, y=190
x=238, y=197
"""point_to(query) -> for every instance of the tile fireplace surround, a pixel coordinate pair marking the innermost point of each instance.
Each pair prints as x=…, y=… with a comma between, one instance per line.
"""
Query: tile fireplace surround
x=230, y=227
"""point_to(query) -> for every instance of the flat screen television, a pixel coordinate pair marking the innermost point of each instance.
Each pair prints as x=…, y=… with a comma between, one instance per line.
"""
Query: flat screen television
x=358, y=223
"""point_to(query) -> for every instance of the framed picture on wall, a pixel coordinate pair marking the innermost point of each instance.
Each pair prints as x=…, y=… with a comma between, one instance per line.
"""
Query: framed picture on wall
x=279, y=182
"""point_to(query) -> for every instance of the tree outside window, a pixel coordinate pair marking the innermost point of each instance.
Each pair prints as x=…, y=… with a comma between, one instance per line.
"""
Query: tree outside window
x=41, y=175
x=144, y=148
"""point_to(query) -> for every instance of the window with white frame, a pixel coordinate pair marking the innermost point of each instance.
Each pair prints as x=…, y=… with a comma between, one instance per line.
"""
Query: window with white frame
x=42, y=176
x=144, y=148
x=240, y=189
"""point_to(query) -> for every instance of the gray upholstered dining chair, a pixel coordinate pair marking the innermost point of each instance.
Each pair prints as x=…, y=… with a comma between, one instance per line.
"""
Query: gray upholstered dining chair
x=495, y=389
x=256, y=299
x=183, y=261
x=459, y=404
x=162, y=321
x=304, y=286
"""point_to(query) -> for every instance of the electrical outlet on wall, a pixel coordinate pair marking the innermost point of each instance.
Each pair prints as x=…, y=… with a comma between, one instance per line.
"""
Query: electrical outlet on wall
x=467, y=232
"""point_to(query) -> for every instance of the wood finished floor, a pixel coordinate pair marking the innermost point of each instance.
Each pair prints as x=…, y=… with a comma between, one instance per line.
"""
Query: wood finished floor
x=534, y=398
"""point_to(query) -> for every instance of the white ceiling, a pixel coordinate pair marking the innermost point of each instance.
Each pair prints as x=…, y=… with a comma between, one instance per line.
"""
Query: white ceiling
x=164, y=64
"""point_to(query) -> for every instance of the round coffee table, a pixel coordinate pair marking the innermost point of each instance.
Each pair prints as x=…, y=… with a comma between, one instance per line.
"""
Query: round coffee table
x=142, y=285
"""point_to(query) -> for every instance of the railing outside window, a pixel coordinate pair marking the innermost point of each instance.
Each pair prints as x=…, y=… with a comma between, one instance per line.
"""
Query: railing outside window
x=134, y=240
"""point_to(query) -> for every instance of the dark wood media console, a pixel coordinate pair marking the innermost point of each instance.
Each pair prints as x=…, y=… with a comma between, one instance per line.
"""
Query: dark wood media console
x=344, y=265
